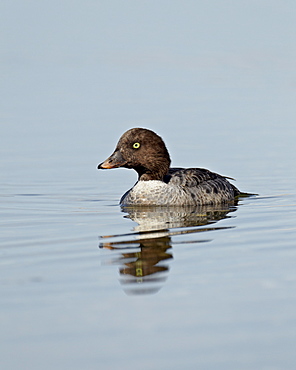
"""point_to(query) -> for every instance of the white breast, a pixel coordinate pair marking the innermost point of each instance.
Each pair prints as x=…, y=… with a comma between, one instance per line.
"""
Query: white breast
x=146, y=193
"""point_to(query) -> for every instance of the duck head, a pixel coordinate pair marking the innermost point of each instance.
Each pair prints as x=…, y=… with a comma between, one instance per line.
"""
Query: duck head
x=144, y=151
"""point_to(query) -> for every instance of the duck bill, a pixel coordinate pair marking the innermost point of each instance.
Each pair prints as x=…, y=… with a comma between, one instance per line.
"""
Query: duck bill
x=115, y=160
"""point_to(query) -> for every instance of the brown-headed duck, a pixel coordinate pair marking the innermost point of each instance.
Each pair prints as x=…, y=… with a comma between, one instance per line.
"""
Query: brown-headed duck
x=158, y=184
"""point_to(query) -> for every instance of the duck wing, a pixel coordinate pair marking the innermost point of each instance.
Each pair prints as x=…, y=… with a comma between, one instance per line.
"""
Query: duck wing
x=190, y=176
x=199, y=177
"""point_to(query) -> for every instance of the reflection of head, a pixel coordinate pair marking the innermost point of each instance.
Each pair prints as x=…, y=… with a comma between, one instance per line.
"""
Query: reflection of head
x=146, y=266
x=143, y=264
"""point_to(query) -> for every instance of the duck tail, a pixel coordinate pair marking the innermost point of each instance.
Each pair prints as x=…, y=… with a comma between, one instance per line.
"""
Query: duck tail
x=246, y=195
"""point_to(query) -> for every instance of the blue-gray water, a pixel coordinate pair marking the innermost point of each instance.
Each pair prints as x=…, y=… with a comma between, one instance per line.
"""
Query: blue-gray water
x=85, y=285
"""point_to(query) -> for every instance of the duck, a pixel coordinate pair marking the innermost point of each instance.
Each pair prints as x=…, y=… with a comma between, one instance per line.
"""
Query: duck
x=158, y=184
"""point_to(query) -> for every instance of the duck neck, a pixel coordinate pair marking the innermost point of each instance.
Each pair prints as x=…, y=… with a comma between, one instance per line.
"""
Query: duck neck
x=146, y=174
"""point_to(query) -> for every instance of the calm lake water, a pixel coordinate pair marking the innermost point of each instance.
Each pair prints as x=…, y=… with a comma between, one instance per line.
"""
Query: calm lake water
x=85, y=284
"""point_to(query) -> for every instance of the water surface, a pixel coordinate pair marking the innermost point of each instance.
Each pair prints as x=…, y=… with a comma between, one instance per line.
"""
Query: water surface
x=85, y=284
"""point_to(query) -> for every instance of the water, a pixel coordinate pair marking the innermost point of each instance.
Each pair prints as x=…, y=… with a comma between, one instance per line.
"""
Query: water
x=85, y=284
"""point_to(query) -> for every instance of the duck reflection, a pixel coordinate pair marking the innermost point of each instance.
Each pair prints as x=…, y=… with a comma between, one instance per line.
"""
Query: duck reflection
x=143, y=269
x=145, y=253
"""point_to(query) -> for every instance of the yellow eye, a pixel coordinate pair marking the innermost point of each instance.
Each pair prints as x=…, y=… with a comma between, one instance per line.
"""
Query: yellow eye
x=136, y=145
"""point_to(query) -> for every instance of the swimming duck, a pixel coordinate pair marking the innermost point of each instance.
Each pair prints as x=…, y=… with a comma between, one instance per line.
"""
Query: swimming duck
x=158, y=184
